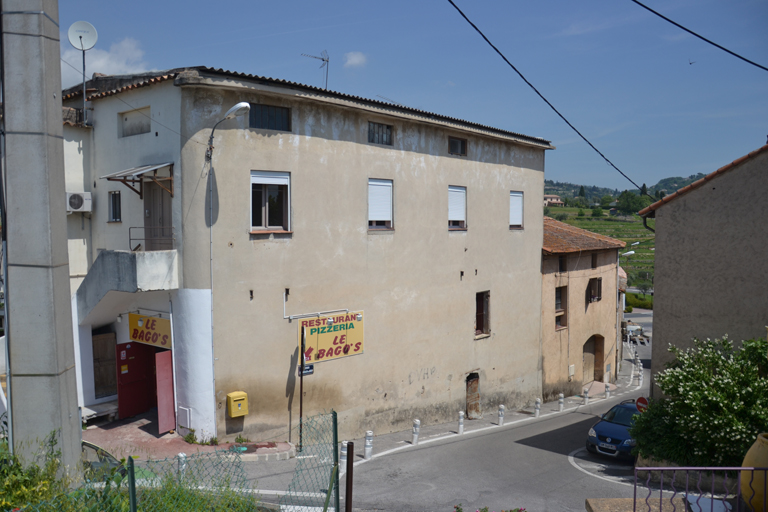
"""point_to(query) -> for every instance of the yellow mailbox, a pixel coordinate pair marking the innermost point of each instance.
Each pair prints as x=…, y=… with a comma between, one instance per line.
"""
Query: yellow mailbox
x=237, y=404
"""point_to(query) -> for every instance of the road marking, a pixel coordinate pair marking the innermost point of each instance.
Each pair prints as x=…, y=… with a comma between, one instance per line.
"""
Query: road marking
x=606, y=478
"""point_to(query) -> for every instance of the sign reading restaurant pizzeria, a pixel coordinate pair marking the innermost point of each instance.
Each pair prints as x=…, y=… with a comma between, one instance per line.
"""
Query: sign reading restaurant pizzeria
x=150, y=330
x=332, y=336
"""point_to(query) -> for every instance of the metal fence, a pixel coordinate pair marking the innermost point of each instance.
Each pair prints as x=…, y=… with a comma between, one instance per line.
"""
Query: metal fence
x=315, y=483
x=700, y=489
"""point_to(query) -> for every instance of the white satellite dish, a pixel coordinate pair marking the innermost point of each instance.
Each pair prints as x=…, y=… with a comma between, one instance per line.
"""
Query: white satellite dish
x=82, y=35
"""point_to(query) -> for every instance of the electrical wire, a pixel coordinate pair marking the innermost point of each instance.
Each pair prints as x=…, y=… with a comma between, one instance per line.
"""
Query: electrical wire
x=543, y=98
x=700, y=37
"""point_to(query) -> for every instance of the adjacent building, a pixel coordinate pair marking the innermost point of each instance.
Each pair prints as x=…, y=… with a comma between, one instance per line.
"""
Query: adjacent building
x=711, y=246
x=404, y=245
x=581, y=308
x=552, y=200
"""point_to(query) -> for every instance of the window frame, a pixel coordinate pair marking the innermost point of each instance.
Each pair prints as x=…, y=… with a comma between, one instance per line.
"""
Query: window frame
x=259, y=107
x=454, y=192
x=483, y=301
x=114, y=214
x=594, y=260
x=595, y=290
x=562, y=263
x=265, y=179
x=513, y=194
x=381, y=224
x=463, y=146
x=388, y=135
x=561, y=313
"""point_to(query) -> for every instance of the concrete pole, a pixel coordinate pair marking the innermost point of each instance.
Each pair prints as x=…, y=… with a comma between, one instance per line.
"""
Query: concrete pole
x=42, y=359
x=416, y=429
x=461, y=422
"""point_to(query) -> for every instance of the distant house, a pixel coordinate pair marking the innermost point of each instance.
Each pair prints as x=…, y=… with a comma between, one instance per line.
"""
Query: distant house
x=580, y=308
x=711, y=263
x=552, y=200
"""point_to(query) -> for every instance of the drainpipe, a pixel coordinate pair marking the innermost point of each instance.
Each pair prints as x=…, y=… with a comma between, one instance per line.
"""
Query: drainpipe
x=646, y=226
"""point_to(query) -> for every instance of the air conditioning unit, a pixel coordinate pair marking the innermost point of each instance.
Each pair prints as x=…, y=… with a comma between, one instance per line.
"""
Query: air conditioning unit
x=78, y=201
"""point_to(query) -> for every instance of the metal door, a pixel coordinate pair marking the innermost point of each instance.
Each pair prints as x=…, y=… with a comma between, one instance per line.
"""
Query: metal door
x=135, y=379
x=157, y=218
x=588, y=361
x=104, y=374
x=166, y=413
x=473, y=397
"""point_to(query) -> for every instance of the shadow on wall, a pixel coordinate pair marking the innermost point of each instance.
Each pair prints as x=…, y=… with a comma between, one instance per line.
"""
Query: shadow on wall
x=550, y=392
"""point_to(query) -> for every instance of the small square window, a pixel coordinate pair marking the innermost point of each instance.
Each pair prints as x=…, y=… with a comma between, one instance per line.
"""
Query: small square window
x=561, y=306
x=115, y=211
x=270, y=201
x=379, y=204
x=594, y=260
x=269, y=117
x=457, y=207
x=563, y=263
x=380, y=133
x=457, y=146
x=483, y=313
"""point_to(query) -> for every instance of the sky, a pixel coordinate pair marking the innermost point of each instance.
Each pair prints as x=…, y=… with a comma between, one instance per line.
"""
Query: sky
x=656, y=101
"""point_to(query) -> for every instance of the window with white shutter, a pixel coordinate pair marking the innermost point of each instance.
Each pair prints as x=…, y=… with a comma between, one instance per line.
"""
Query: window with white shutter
x=515, y=210
x=270, y=201
x=379, y=204
x=457, y=207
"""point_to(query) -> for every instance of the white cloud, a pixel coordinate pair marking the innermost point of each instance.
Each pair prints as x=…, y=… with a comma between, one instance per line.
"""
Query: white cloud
x=124, y=57
x=354, y=59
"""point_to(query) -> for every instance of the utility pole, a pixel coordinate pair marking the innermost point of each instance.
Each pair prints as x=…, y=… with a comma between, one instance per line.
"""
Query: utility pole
x=43, y=387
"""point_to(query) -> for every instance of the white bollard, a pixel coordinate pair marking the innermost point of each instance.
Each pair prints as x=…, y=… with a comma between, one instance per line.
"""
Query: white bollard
x=416, y=428
x=368, y=444
x=586, y=397
x=343, y=457
x=607, y=391
x=537, y=408
x=461, y=422
x=560, y=402
x=502, y=411
x=182, y=464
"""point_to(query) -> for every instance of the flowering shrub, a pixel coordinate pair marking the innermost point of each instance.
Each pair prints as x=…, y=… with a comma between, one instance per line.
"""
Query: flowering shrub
x=716, y=404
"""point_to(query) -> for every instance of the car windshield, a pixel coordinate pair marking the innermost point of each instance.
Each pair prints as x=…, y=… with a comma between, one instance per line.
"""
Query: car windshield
x=621, y=416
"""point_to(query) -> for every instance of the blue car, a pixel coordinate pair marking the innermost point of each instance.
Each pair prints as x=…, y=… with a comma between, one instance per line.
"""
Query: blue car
x=610, y=436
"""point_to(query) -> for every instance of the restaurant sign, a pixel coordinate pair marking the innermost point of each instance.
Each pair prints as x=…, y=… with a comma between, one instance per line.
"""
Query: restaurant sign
x=332, y=336
x=150, y=330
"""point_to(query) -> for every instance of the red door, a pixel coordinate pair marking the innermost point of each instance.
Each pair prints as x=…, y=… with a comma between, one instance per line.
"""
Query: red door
x=166, y=413
x=135, y=379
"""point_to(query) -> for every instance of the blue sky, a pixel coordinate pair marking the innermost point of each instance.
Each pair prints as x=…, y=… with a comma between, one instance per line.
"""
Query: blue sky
x=620, y=74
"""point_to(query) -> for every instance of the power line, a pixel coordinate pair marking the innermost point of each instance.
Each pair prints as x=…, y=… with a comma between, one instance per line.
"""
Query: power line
x=543, y=98
x=700, y=37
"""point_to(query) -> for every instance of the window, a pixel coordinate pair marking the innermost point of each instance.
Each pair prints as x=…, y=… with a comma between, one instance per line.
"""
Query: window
x=270, y=201
x=595, y=289
x=594, y=260
x=270, y=117
x=482, y=313
x=379, y=204
x=114, y=206
x=135, y=122
x=457, y=207
x=457, y=146
x=563, y=263
x=561, y=306
x=380, y=133
x=515, y=210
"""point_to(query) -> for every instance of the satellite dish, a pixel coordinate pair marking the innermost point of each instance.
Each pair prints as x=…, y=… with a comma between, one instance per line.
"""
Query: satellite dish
x=82, y=35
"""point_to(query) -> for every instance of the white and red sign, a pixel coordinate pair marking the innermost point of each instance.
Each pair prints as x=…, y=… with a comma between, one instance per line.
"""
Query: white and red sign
x=641, y=404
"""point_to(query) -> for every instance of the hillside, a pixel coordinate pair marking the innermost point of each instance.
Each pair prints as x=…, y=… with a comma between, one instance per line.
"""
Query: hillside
x=564, y=189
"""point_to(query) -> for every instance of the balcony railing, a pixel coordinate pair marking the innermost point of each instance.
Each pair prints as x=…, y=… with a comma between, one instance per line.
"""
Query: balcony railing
x=151, y=239
x=700, y=489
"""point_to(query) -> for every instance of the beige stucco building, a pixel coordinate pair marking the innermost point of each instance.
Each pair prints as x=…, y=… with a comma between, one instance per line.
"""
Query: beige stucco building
x=711, y=264
x=427, y=227
x=581, y=309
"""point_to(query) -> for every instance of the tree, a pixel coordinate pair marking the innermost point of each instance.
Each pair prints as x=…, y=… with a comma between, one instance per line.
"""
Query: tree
x=581, y=192
x=561, y=217
x=643, y=190
x=644, y=287
x=581, y=213
x=597, y=212
x=546, y=210
x=606, y=200
x=629, y=202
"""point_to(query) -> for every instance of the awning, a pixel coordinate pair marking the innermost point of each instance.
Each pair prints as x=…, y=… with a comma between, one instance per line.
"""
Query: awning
x=145, y=173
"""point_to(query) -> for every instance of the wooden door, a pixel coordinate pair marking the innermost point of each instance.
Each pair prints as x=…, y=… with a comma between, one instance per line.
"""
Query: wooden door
x=157, y=218
x=135, y=379
x=474, y=411
x=166, y=412
x=104, y=370
x=588, y=361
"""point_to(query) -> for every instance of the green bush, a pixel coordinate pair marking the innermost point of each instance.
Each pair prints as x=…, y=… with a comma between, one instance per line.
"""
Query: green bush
x=546, y=210
x=561, y=217
x=628, y=309
x=716, y=404
x=636, y=302
x=597, y=211
x=581, y=213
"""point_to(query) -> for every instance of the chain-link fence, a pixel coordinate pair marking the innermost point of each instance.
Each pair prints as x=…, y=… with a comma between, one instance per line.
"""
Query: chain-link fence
x=315, y=483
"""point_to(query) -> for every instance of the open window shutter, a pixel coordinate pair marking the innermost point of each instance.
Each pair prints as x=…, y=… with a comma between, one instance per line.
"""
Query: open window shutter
x=515, y=208
x=380, y=200
x=457, y=203
x=599, y=288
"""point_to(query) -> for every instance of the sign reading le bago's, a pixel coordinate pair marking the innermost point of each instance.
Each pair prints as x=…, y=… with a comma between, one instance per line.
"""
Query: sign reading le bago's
x=152, y=331
x=340, y=338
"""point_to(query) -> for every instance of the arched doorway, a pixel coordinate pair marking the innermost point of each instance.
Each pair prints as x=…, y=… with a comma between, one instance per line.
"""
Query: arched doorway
x=592, y=359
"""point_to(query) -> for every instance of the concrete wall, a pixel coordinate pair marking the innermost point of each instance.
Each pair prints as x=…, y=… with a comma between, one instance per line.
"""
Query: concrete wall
x=711, y=247
x=563, y=346
x=419, y=333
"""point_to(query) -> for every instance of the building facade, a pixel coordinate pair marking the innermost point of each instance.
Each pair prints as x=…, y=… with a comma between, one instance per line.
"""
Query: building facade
x=420, y=232
x=581, y=308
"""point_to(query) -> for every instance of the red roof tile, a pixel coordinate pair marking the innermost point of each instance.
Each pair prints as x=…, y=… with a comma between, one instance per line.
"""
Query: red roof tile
x=562, y=238
x=696, y=184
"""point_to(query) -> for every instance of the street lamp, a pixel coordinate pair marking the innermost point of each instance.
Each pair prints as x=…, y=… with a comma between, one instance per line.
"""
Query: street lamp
x=238, y=110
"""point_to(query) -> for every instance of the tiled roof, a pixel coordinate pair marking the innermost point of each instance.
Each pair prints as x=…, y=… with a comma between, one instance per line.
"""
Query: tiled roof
x=696, y=184
x=562, y=238
x=146, y=79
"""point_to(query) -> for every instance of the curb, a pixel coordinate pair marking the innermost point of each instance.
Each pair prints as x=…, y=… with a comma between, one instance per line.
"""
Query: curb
x=269, y=457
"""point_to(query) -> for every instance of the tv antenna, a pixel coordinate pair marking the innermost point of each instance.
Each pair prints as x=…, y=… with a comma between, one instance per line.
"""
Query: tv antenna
x=390, y=100
x=83, y=36
x=326, y=64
